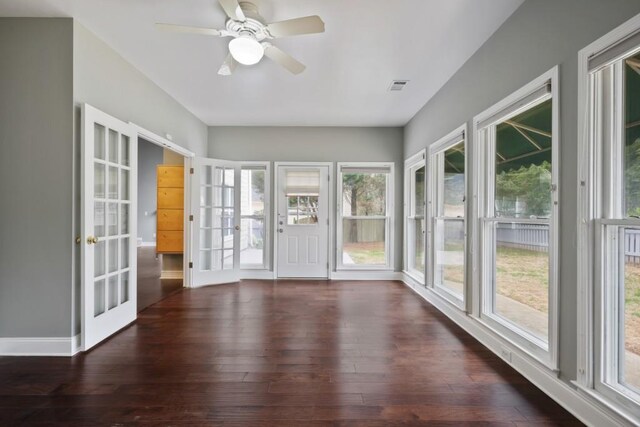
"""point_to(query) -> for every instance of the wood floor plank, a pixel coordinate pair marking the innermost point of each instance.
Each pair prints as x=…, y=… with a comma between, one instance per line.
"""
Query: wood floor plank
x=285, y=353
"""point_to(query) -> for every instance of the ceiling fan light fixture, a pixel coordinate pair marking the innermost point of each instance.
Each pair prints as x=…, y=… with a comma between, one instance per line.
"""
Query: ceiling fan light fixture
x=246, y=50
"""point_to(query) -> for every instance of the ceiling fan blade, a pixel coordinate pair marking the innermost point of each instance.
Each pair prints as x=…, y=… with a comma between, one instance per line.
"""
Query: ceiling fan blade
x=188, y=29
x=297, y=26
x=228, y=66
x=233, y=10
x=284, y=59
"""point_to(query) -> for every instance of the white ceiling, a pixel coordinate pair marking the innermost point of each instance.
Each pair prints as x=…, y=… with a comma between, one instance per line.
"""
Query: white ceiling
x=367, y=44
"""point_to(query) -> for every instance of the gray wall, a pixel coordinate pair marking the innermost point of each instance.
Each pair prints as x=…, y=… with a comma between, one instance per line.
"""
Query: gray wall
x=539, y=35
x=149, y=157
x=36, y=160
x=319, y=144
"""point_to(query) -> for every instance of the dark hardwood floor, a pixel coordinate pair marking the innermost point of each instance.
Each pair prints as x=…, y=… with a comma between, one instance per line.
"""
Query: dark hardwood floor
x=151, y=288
x=284, y=353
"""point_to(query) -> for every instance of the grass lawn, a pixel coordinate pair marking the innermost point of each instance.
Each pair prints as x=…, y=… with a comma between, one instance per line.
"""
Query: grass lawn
x=366, y=252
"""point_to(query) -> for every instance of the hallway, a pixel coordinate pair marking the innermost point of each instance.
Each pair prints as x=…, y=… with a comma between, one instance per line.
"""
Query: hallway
x=292, y=353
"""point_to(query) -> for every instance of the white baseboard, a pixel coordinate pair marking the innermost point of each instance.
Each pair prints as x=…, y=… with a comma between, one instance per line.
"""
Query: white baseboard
x=142, y=244
x=366, y=275
x=587, y=410
x=256, y=275
x=64, y=346
x=171, y=274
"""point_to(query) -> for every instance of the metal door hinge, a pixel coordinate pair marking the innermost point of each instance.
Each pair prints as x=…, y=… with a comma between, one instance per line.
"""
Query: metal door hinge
x=190, y=217
x=190, y=264
x=327, y=221
x=191, y=171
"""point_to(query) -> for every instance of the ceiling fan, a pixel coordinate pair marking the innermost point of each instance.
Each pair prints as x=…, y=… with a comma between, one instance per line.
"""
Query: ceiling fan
x=251, y=36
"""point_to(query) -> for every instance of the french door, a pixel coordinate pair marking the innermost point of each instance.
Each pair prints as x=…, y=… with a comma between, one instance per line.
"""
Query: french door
x=215, y=205
x=109, y=202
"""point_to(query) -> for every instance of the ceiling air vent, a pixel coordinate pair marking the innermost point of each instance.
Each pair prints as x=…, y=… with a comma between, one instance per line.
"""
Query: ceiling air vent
x=398, y=85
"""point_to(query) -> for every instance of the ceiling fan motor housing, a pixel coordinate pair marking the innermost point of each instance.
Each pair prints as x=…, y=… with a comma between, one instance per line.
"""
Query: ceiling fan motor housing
x=253, y=26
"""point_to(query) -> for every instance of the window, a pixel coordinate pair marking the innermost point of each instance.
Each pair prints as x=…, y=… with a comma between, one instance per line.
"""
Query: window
x=517, y=207
x=611, y=189
x=365, y=207
x=447, y=197
x=254, y=185
x=415, y=180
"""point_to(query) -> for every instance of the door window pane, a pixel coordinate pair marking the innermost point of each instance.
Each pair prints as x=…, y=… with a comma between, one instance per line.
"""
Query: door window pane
x=302, y=210
x=124, y=252
x=113, y=255
x=124, y=287
x=124, y=218
x=522, y=275
x=112, y=218
x=124, y=150
x=363, y=242
x=99, y=258
x=99, y=181
x=124, y=194
x=523, y=164
x=98, y=219
x=113, y=183
x=113, y=291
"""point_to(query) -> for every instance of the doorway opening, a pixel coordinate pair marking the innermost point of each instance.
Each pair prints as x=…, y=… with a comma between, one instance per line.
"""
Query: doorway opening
x=160, y=233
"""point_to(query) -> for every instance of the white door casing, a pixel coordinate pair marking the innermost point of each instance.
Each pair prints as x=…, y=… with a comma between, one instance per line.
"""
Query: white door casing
x=109, y=151
x=215, y=206
x=302, y=225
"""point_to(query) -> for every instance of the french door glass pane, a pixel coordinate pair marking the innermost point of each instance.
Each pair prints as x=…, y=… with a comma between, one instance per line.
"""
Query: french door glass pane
x=113, y=146
x=113, y=291
x=124, y=218
x=124, y=252
x=99, y=297
x=453, y=186
x=252, y=241
x=124, y=178
x=112, y=218
x=113, y=183
x=363, y=241
x=98, y=219
x=449, y=255
x=99, y=144
x=124, y=150
x=630, y=313
x=124, y=287
x=113, y=255
x=419, y=181
x=99, y=258
x=523, y=164
x=521, y=275
x=99, y=181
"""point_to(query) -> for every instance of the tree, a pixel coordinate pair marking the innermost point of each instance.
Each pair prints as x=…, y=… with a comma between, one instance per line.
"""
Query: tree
x=365, y=194
x=525, y=191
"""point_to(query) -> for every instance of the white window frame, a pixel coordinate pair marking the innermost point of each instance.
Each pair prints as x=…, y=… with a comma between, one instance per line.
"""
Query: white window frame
x=411, y=165
x=388, y=217
x=435, y=186
x=523, y=99
x=598, y=214
x=266, y=252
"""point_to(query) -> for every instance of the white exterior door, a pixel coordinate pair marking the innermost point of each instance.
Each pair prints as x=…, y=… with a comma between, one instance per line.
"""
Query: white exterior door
x=215, y=205
x=302, y=227
x=109, y=203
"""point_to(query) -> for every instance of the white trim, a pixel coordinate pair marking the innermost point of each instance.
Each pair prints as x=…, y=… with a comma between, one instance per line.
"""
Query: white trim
x=481, y=211
x=250, y=274
x=411, y=165
x=20, y=346
x=161, y=141
x=330, y=237
x=389, y=216
x=460, y=134
x=366, y=275
x=586, y=410
x=146, y=244
x=591, y=206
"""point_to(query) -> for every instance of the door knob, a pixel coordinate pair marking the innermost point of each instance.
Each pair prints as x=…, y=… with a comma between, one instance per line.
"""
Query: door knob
x=280, y=230
x=92, y=240
x=237, y=227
